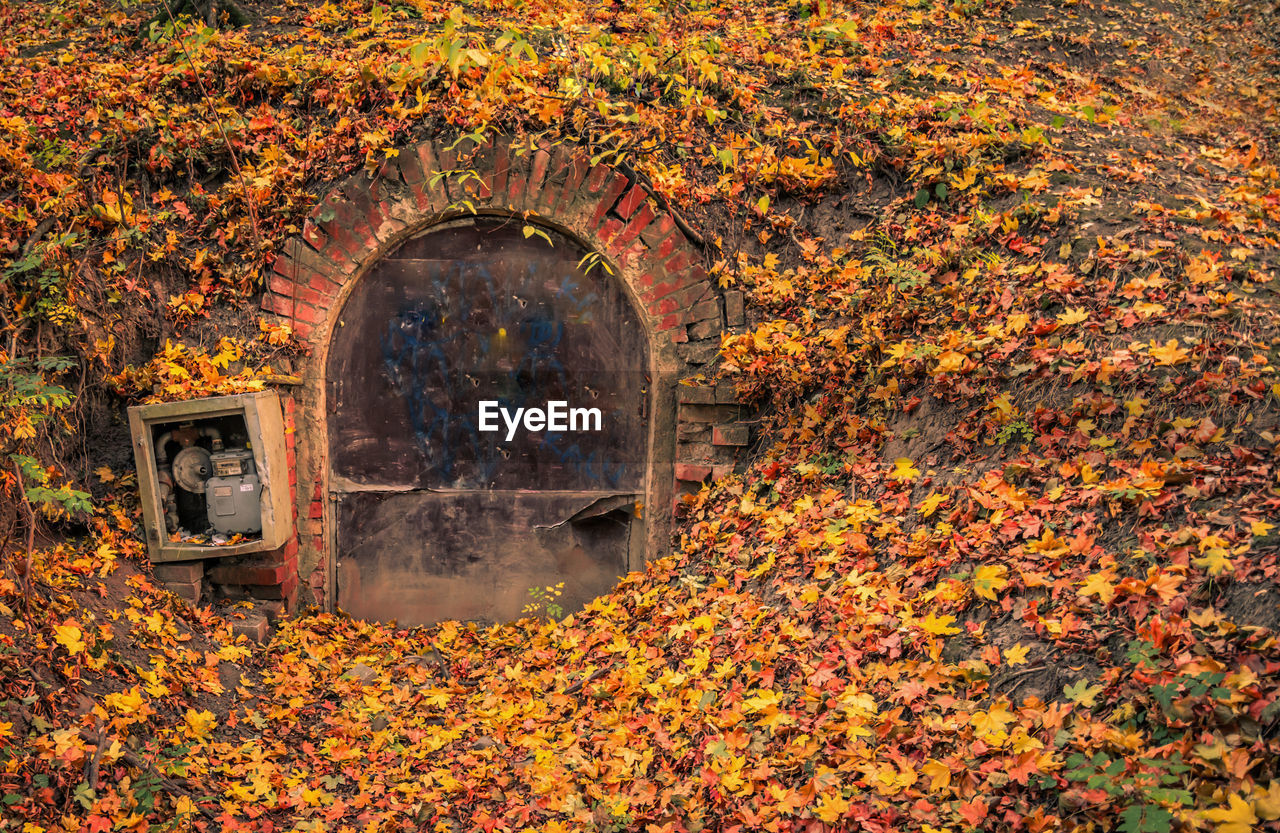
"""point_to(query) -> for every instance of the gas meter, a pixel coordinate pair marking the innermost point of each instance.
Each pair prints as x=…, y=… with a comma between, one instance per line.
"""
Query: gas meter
x=213, y=475
x=232, y=493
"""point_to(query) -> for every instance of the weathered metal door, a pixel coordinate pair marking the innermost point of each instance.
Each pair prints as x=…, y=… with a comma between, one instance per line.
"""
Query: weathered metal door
x=487, y=427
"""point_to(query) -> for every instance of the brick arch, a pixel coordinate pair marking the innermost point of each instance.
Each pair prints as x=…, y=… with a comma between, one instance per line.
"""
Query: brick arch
x=604, y=209
x=696, y=432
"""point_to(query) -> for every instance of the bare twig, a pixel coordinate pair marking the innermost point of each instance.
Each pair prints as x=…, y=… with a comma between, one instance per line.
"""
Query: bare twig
x=595, y=675
x=31, y=539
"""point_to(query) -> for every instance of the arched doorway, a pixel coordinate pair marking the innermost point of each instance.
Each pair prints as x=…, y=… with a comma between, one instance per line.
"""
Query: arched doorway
x=488, y=393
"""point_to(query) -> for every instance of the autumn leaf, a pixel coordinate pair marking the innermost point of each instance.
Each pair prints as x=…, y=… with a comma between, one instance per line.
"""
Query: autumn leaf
x=1016, y=655
x=939, y=625
x=931, y=503
x=201, y=723
x=990, y=579
x=1236, y=817
x=1100, y=585
x=1215, y=561
x=69, y=636
x=1169, y=353
x=1082, y=693
x=904, y=470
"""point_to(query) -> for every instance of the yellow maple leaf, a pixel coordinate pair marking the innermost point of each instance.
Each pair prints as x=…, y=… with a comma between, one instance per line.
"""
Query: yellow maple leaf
x=831, y=808
x=989, y=579
x=124, y=702
x=1017, y=655
x=939, y=775
x=1073, y=315
x=930, y=504
x=69, y=636
x=1236, y=817
x=950, y=362
x=1215, y=561
x=939, y=625
x=200, y=723
x=1169, y=353
x=904, y=470
x=1099, y=584
x=1260, y=528
x=1266, y=801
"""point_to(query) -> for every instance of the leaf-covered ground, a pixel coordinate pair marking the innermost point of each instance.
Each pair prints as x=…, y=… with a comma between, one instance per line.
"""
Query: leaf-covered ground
x=1008, y=560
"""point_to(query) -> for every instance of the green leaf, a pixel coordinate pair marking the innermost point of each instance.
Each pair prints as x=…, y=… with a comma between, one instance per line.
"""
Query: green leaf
x=922, y=197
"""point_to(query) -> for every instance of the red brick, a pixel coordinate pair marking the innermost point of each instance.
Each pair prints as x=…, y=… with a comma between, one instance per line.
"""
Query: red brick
x=684, y=297
x=317, y=510
x=314, y=236
x=632, y=201
x=427, y=161
x=708, y=310
x=667, y=246
x=286, y=590
x=501, y=168
x=659, y=291
x=179, y=571
x=425, y=196
x=255, y=574
x=663, y=307
x=515, y=189
x=446, y=160
x=721, y=470
x=541, y=161
x=608, y=197
x=290, y=405
x=636, y=225
x=559, y=170
x=280, y=285
x=302, y=329
x=661, y=231
x=252, y=625
x=323, y=284
x=290, y=549
x=691, y=472
x=410, y=167
x=731, y=435
x=668, y=322
x=280, y=305
x=307, y=295
x=596, y=179
x=293, y=476
x=307, y=314
x=608, y=230
x=680, y=335
x=189, y=590
x=678, y=263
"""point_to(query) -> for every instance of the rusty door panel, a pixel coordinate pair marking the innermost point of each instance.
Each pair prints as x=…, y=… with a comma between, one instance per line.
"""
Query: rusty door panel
x=419, y=557
x=491, y=316
x=436, y=518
